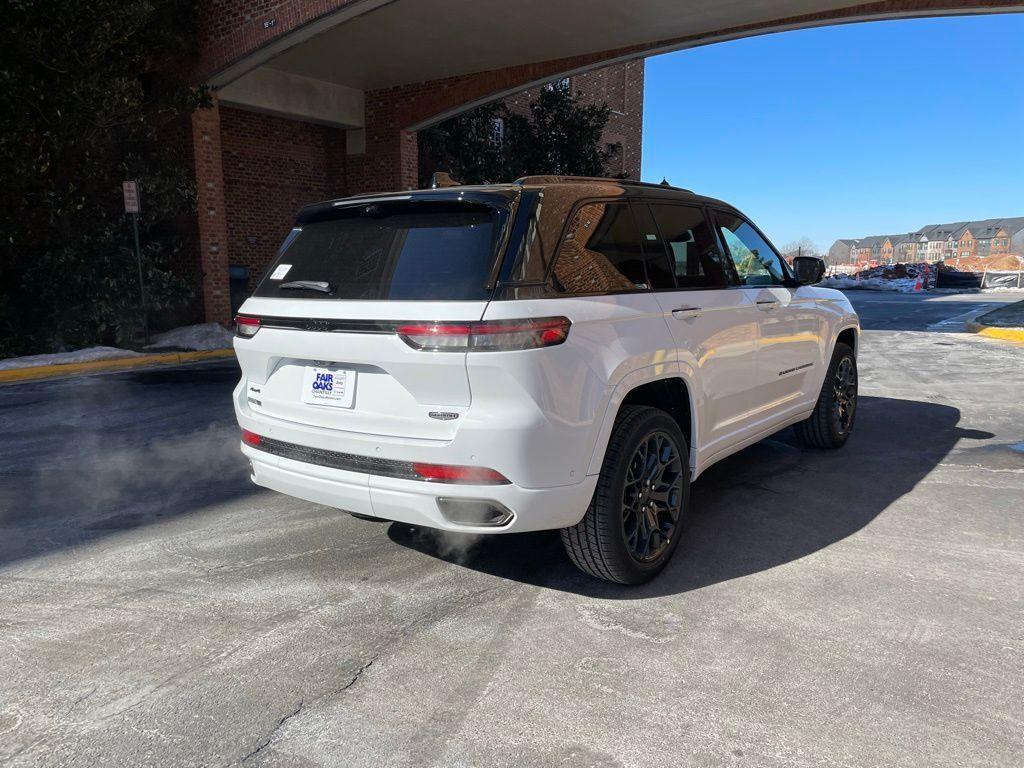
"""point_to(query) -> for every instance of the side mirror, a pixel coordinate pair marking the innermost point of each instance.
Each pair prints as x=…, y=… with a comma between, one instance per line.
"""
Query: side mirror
x=809, y=269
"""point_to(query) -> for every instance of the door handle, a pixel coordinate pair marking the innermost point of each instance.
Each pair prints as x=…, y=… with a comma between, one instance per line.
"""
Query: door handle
x=767, y=305
x=686, y=312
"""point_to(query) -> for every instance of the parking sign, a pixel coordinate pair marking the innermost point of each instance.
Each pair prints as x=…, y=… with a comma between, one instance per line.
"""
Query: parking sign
x=131, y=196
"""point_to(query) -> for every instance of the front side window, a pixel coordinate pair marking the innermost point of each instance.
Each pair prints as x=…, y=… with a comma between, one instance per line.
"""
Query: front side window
x=756, y=262
x=694, y=254
x=601, y=252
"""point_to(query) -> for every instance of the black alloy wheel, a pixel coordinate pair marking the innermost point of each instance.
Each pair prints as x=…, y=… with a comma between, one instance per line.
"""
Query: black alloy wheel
x=844, y=395
x=633, y=524
x=652, y=497
x=831, y=422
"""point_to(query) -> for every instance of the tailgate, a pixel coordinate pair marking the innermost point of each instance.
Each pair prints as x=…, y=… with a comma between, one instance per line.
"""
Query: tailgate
x=381, y=385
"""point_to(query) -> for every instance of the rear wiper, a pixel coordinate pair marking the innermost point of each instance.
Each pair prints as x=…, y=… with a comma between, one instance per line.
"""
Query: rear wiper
x=309, y=285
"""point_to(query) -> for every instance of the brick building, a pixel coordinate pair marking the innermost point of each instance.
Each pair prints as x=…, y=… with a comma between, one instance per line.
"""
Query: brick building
x=840, y=251
x=621, y=87
x=272, y=165
x=939, y=242
x=321, y=98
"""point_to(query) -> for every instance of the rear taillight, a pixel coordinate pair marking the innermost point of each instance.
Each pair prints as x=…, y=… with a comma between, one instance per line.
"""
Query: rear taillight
x=443, y=337
x=484, y=336
x=251, y=438
x=246, y=326
x=448, y=473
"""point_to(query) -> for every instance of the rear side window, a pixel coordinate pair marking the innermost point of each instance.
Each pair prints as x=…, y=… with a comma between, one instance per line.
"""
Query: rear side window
x=756, y=262
x=693, y=253
x=390, y=250
x=602, y=252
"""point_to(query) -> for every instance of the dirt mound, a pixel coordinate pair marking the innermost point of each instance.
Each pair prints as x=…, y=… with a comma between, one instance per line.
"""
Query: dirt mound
x=1004, y=262
x=895, y=271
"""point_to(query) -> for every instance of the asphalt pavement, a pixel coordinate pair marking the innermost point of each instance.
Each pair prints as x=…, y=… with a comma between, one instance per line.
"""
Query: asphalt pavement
x=862, y=607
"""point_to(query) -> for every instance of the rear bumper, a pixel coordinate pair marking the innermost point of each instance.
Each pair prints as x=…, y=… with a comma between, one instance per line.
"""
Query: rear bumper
x=415, y=502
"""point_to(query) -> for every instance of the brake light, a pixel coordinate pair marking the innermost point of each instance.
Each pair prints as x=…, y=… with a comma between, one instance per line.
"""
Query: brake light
x=447, y=473
x=483, y=336
x=251, y=438
x=246, y=326
x=447, y=337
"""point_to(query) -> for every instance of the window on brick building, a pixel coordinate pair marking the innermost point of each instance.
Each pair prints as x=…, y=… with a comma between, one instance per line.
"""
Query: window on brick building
x=498, y=130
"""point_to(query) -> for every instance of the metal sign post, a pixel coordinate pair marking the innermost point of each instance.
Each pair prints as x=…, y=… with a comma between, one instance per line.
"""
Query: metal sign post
x=131, y=206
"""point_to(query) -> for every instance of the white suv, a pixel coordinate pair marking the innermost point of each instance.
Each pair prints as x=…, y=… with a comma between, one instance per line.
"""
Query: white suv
x=558, y=352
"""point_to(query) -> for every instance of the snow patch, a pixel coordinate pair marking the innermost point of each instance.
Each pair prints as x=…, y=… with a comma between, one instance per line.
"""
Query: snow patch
x=898, y=285
x=87, y=355
x=192, y=337
x=202, y=337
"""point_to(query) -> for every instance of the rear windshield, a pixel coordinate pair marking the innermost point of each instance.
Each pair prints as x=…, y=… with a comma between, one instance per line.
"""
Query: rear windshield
x=410, y=250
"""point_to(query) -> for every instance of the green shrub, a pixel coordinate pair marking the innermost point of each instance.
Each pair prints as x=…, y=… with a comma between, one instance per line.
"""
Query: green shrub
x=91, y=94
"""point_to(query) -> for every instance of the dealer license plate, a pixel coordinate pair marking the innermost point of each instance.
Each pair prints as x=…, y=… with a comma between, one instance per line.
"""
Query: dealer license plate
x=328, y=386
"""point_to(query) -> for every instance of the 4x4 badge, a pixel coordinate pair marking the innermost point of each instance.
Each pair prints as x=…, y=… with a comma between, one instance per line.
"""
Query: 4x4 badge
x=316, y=325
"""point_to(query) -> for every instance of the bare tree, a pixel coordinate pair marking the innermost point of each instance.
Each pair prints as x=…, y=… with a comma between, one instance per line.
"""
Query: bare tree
x=801, y=247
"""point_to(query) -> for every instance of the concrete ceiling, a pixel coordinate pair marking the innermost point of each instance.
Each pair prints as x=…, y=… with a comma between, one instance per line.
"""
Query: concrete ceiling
x=408, y=41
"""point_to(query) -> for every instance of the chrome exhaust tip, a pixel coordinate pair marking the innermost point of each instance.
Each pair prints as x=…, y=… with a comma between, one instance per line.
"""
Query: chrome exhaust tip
x=485, y=513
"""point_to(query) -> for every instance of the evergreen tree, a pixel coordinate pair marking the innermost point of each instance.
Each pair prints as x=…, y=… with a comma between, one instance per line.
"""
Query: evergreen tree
x=91, y=94
x=561, y=135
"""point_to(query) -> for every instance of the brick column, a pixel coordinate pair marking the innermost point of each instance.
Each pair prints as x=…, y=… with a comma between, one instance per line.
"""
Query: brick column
x=391, y=161
x=336, y=163
x=213, y=239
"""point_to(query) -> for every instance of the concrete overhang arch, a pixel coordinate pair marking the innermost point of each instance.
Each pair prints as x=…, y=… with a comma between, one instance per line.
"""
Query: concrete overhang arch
x=361, y=46
x=368, y=74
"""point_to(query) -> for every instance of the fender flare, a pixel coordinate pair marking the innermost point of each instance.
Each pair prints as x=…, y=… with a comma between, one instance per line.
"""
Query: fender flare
x=844, y=325
x=637, y=378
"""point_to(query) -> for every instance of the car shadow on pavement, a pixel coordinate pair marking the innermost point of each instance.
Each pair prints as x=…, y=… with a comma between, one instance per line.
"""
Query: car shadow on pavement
x=768, y=505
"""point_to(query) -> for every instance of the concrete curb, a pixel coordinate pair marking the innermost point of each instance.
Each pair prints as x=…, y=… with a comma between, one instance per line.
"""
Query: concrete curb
x=117, y=364
x=992, y=332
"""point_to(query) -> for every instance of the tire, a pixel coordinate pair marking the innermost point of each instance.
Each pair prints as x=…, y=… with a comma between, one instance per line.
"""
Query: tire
x=609, y=541
x=835, y=412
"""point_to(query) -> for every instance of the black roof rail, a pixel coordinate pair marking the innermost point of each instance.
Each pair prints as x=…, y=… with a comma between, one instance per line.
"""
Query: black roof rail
x=559, y=179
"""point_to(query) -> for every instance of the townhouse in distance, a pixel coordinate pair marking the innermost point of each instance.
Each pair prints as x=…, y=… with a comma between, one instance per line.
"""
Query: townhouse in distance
x=934, y=243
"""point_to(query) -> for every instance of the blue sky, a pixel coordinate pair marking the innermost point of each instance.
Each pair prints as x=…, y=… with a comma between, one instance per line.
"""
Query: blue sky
x=847, y=131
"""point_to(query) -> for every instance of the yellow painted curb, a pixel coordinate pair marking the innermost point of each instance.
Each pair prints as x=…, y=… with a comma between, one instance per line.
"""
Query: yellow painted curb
x=98, y=366
x=992, y=332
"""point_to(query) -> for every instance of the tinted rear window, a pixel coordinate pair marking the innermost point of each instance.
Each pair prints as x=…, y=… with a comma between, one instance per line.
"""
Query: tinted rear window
x=391, y=250
x=692, y=247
